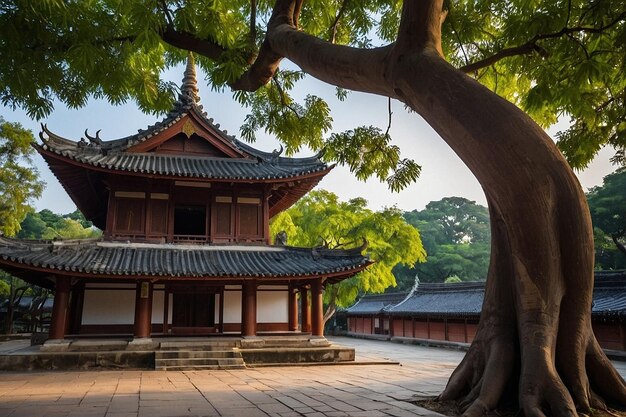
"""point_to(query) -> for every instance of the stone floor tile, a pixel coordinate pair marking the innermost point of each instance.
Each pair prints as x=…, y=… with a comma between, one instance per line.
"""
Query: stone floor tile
x=322, y=391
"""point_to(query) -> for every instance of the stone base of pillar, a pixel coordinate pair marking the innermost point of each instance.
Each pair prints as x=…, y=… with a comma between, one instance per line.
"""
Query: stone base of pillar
x=56, y=345
x=142, y=343
x=252, y=342
x=319, y=341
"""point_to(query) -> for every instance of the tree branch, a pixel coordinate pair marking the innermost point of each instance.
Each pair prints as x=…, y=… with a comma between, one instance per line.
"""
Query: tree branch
x=618, y=244
x=267, y=61
x=283, y=100
x=531, y=45
x=252, y=34
x=190, y=42
x=342, y=66
x=389, y=113
x=333, y=28
x=420, y=25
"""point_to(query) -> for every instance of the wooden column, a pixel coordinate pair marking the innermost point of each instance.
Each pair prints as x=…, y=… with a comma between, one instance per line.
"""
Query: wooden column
x=143, y=309
x=248, y=308
x=306, y=310
x=317, y=307
x=60, y=308
x=77, y=296
x=293, y=309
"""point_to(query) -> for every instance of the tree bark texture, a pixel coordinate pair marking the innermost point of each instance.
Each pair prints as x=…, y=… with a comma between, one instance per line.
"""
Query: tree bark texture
x=535, y=333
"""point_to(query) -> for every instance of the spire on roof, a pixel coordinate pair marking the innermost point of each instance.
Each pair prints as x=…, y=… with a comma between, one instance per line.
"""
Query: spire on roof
x=189, y=88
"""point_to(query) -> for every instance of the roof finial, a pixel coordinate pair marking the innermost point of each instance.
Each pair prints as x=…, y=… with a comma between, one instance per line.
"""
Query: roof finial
x=189, y=89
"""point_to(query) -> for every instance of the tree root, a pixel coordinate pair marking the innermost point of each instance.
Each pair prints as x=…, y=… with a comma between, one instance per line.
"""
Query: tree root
x=479, y=384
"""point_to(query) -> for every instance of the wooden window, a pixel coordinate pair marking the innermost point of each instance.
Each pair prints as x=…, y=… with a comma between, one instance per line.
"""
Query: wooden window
x=159, y=215
x=129, y=217
x=250, y=216
x=223, y=218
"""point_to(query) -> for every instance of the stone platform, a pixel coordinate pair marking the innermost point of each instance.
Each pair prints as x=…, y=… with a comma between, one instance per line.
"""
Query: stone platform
x=173, y=353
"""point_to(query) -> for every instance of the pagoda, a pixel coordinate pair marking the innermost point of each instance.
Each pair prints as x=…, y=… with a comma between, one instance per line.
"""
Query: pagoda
x=185, y=209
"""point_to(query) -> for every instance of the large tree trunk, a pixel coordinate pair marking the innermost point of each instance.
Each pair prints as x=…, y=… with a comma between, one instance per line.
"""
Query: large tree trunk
x=535, y=331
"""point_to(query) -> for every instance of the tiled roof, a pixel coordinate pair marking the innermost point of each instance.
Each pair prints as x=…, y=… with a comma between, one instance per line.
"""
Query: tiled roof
x=466, y=299
x=117, y=259
x=187, y=166
x=609, y=293
x=376, y=303
x=112, y=156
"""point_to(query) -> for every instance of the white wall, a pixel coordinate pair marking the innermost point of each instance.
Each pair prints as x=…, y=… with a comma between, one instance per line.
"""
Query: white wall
x=272, y=306
x=217, y=309
x=117, y=306
x=158, y=298
x=232, y=307
x=109, y=307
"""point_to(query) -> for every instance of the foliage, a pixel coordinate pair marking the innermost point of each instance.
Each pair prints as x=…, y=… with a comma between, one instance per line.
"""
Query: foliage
x=19, y=180
x=552, y=58
x=320, y=218
x=48, y=225
x=607, y=204
x=5, y=289
x=456, y=235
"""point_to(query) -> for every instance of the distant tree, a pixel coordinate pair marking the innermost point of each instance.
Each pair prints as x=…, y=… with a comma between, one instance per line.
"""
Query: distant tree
x=452, y=280
x=5, y=288
x=48, y=225
x=607, y=204
x=455, y=233
x=17, y=290
x=80, y=218
x=19, y=180
x=41, y=225
x=459, y=220
x=321, y=218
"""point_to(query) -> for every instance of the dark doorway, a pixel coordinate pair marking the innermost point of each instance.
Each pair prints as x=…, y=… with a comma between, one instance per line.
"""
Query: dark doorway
x=190, y=220
x=193, y=310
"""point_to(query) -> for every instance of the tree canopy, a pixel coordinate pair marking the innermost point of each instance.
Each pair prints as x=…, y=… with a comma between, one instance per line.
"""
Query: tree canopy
x=48, y=225
x=19, y=179
x=542, y=55
x=607, y=204
x=456, y=236
x=320, y=218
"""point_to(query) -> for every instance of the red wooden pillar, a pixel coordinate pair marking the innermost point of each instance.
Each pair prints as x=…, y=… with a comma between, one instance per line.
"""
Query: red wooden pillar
x=77, y=297
x=60, y=309
x=293, y=309
x=317, y=307
x=143, y=309
x=306, y=310
x=248, y=308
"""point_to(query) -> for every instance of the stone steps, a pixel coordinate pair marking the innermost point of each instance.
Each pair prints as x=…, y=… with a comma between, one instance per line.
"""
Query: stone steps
x=200, y=345
x=187, y=360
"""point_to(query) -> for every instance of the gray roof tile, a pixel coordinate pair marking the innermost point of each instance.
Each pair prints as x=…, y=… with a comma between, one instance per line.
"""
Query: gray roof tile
x=96, y=257
x=466, y=299
x=112, y=155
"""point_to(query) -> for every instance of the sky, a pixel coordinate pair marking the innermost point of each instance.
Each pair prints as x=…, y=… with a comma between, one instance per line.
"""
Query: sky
x=443, y=173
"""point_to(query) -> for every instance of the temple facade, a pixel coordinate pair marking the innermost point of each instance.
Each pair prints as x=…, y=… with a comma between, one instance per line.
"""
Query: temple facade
x=185, y=209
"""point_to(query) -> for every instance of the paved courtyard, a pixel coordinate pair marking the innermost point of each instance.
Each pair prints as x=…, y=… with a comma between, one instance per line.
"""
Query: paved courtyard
x=314, y=391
